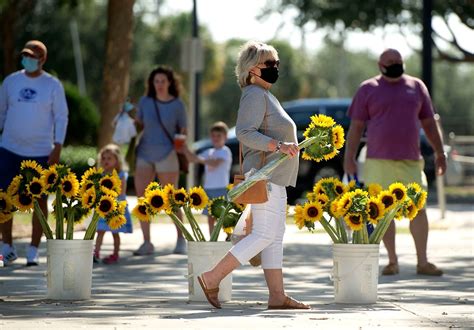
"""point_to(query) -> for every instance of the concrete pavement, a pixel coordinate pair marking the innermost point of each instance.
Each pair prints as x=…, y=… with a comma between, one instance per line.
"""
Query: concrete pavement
x=152, y=291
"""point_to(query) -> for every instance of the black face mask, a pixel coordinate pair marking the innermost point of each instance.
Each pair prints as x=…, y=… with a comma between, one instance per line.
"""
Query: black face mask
x=393, y=71
x=270, y=75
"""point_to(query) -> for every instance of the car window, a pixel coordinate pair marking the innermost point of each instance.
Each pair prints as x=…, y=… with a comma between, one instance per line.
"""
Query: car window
x=339, y=113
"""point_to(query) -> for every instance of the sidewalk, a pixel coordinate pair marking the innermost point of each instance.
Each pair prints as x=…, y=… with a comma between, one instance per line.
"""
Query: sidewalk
x=152, y=291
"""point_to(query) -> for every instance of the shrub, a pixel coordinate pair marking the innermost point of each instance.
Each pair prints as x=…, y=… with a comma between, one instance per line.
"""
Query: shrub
x=83, y=118
x=79, y=158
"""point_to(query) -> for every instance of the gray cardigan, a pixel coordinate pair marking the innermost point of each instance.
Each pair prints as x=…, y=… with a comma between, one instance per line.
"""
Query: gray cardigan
x=255, y=104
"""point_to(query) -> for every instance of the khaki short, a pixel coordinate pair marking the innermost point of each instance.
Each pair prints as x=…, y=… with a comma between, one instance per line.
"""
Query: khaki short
x=168, y=165
x=386, y=172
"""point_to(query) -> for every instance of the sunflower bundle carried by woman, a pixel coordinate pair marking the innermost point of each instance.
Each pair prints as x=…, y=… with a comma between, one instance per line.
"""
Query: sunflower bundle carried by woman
x=323, y=140
x=228, y=214
x=338, y=206
x=170, y=200
x=6, y=207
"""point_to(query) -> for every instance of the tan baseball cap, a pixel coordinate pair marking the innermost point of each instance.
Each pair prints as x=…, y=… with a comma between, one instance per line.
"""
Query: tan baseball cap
x=35, y=48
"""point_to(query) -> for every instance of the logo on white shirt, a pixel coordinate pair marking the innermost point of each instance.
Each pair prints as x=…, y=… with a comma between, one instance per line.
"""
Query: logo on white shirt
x=27, y=95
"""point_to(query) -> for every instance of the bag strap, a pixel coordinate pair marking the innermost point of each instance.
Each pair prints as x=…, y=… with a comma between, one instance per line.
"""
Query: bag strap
x=161, y=122
x=263, y=154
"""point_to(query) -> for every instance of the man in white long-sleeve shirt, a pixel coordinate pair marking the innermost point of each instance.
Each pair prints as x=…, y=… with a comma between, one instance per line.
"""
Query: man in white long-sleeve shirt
x=33, y=123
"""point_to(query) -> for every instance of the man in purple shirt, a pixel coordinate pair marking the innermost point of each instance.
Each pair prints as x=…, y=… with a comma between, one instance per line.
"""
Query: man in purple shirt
x=393, y=106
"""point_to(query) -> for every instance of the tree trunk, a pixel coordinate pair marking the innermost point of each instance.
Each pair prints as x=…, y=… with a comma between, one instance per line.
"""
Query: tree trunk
x=117, y=64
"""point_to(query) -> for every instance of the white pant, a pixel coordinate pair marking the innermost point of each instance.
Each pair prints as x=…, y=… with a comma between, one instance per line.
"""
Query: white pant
x=267, y=231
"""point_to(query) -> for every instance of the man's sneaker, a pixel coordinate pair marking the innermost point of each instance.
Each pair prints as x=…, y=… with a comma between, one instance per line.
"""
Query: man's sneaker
x=145, y=249
x=9, y=254
x=180, y=246
x=32, y=256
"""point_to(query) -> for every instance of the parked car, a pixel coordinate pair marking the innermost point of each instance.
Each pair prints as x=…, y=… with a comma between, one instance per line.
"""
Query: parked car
x=310, y=172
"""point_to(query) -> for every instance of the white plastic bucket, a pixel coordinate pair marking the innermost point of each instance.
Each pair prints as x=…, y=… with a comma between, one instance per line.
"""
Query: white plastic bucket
x=202, y=256
x=355, y=273
x=69, y=269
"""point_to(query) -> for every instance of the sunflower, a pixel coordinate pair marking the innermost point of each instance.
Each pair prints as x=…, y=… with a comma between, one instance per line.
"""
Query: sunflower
x=31, y=166
x=333, y=209
x=350, y=186
x=70, y=185
x=50, y=177
x=344, y=204
x=411, y=210
x=230, y=186
x=312, y=211
x=228, y=230
x=14, y=186
x=322, y=199
x=198, y=198
x=116, y=222
x=321, y=186
x=338, y=136
x=399, y=190
x=414, y=187
x=322, y=121
x=331, y=154
x=152, y=186
x=168, y=189
x=354, y=221
x=157, y=200
x=122, y=207
x=420, y=203
x=88, y=198
x=338, y=187
x=91, y=174
x=141, y=210
x=374, y=189
x=299, y=219
x=388, y=199
x=86, y=185
x=35, y=187
x=111, y=182
x=23, y=202
x=5, y=202
x=106, y=205
x=375, y=210
x=5, y=217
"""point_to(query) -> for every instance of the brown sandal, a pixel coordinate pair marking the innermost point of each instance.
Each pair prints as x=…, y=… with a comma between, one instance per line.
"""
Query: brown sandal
x=288, y=305
x=213, y=301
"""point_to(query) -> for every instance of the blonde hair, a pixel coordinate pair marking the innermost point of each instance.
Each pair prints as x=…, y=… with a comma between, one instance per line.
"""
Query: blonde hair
x=251, y=54
x=114, y=150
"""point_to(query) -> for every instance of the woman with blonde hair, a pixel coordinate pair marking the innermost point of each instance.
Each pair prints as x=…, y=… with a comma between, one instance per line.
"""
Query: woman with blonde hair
x=263, y=127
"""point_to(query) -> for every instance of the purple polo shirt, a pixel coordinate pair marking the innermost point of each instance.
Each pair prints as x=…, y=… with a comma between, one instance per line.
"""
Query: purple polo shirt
x=392, y=112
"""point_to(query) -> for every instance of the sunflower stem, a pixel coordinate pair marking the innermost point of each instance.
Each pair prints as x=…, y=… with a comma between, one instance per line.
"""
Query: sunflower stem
x=90, y=232
x=329, y=229
x=219, y=223
x=70, y=224
x=42, y=220
x=181, y=226
x=194, y=225
x=365, y=234
x=59, y=215
x=383, y=225
x=342, y=229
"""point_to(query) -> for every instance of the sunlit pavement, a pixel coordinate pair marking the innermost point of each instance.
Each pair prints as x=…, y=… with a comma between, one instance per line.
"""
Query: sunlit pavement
x=152, y=291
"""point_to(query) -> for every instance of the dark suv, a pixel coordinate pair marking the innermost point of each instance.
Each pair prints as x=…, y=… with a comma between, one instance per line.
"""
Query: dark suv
x=310, y=172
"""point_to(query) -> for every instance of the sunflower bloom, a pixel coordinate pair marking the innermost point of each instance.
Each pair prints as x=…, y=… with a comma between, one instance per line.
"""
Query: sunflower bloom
x=36, y=187
x=86, y=185
x=106, y=205
x=157, y=200
x=375, y=210
x=322, y=121
x=141, y=211
x=14, y=186
x=322, y=199
x=312, y=211
x=50, y=177
x=338, y=136
x=70, y=185
x=374, y=189
x=412, y=210
x=116, y=222
x=399, y=190
x=198, y=198
x=31, y=166
x=228, y=230
x=354, y=221
x=344, y=204
x=5, y=217
x=333, y=209
x=152, y=186
x=299, y=219
x=91, y=174
x=88, y=199
x=23, y=202
x=5, y=202
x=388, y=199
x=111, y=182
x=421, y=200
x=180, y=196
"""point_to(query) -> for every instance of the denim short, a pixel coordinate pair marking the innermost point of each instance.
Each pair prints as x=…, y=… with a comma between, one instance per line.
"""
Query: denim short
x=214, y=193
x=10, y=165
